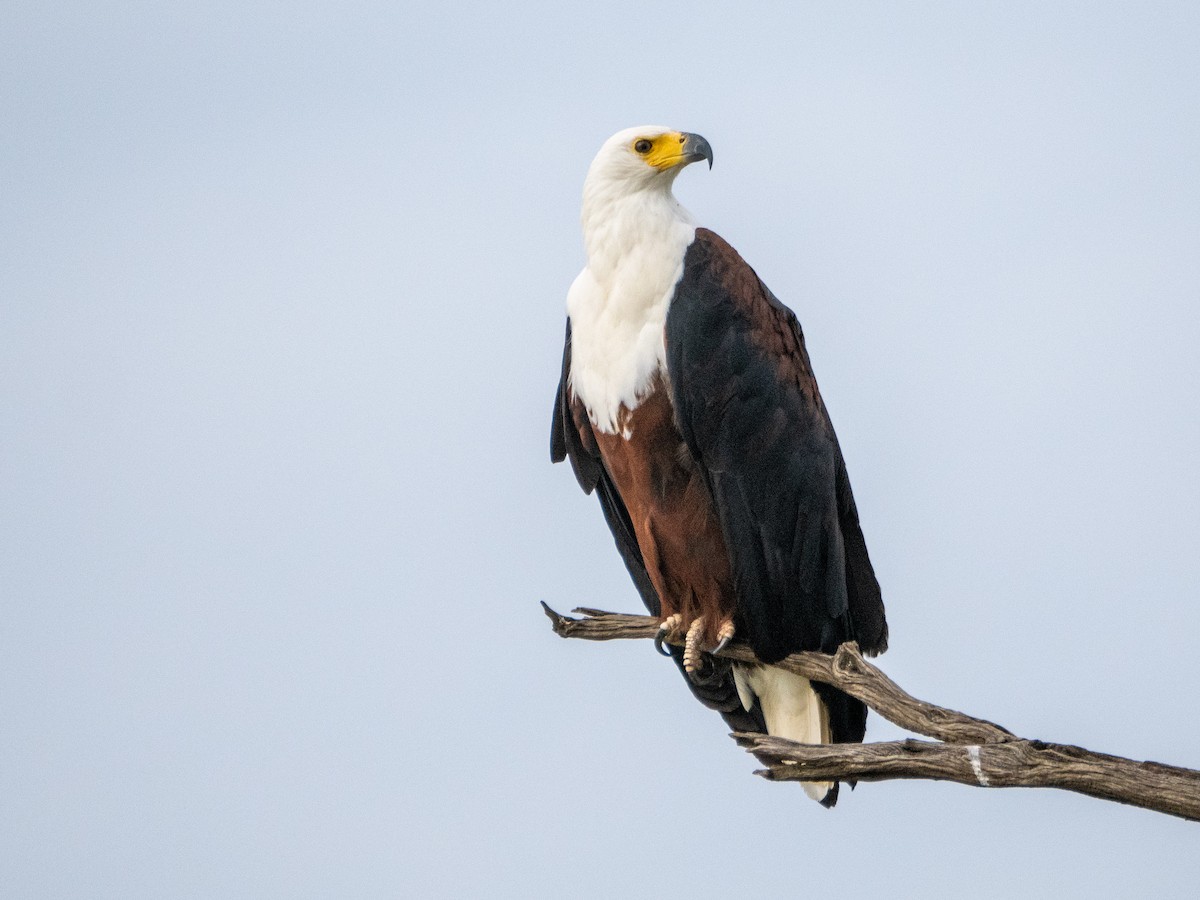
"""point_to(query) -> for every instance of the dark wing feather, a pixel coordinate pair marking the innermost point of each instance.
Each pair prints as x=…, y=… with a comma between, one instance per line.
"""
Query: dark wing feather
x=748, y=407
x=571, y=438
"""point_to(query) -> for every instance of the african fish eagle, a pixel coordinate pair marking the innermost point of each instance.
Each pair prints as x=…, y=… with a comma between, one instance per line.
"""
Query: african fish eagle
x=688, y=404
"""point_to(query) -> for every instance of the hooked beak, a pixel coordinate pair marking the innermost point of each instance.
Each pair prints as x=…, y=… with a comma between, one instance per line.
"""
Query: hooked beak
x=696, y=148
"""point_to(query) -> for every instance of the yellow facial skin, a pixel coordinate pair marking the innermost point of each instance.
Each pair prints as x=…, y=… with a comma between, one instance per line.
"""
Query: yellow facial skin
x=666, y=150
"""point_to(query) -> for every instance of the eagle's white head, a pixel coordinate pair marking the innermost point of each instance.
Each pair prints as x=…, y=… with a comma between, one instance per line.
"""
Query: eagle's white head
x=627, y=193
x=646, y=158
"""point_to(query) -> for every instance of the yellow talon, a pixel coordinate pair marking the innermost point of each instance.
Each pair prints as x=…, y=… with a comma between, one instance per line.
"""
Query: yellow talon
x=691, y=647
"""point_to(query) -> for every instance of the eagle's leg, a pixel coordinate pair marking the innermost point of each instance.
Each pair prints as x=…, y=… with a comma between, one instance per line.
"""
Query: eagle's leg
x=693, y=653
x=668, y=629
x=699, y=664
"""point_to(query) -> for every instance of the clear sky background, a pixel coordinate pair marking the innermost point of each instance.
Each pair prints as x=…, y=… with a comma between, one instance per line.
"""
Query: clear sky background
x=281, y=308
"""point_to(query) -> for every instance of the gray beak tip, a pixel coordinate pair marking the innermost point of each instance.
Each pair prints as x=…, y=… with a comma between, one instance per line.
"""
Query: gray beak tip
x=696, y=147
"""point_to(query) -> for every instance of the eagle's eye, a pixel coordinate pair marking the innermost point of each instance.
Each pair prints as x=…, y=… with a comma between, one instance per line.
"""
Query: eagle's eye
x=642, y=146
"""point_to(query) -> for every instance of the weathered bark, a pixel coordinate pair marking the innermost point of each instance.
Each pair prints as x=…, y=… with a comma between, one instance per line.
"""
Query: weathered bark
x=972, y=751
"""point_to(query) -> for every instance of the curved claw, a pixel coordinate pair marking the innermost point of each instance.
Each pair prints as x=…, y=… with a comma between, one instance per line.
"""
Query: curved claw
x=667, y=628
x=724, y=636
x=658, y=641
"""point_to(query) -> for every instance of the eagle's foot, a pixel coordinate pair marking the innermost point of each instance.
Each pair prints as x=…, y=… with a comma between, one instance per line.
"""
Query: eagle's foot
x=693, y=653
x=724, y=636
x=668, y=629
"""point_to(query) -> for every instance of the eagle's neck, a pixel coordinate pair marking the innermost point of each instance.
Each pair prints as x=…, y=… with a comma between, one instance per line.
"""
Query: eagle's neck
x=636, y=242
x=620, y=224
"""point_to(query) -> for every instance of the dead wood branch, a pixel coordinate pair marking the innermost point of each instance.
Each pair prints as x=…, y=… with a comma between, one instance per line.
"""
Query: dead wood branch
x=967, y=750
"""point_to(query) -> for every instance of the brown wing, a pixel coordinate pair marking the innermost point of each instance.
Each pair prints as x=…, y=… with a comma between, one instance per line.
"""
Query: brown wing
x=571, y=437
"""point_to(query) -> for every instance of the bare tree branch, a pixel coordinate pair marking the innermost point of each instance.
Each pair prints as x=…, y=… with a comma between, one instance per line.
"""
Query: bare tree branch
x=972, y=751
x=847, y=670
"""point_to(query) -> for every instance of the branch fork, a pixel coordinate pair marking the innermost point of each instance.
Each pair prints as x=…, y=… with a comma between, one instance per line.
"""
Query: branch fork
x=965, y=749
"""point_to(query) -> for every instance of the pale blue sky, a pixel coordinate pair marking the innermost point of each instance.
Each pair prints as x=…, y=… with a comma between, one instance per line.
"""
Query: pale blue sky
x=281, y=304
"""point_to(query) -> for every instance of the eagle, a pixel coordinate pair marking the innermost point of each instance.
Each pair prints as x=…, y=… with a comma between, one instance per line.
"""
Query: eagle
x=687, y=404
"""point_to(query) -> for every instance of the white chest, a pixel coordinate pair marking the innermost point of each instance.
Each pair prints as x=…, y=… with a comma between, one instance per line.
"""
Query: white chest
x=618, y=309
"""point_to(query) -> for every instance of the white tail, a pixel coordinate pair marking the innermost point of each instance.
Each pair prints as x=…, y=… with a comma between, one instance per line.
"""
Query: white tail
x=791, y=708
